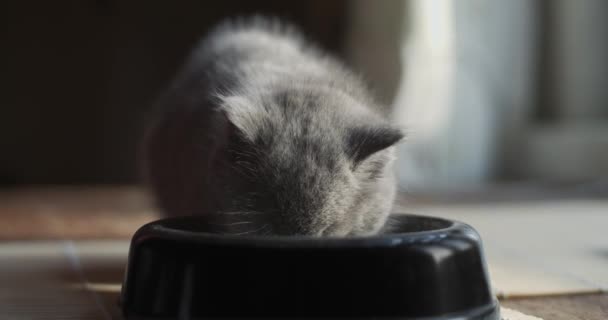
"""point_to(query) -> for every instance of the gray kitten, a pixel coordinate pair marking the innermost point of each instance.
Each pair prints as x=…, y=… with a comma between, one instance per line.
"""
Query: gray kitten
x=266, y=131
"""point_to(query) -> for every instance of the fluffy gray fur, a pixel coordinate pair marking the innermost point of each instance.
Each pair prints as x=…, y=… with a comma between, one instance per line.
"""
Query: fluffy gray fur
x=265, y=130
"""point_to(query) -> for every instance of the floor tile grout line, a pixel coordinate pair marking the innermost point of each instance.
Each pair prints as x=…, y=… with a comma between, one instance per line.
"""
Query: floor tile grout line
x=71, y=253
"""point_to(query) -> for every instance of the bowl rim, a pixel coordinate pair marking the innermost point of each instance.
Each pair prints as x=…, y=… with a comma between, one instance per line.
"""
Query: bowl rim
x=158, y=230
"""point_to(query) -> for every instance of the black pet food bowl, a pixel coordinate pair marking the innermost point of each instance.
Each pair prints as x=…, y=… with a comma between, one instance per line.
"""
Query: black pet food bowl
x=428, y=268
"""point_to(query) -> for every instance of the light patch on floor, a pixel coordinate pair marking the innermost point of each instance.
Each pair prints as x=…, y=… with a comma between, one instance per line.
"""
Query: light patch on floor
x=509, y=314
x=538, y=247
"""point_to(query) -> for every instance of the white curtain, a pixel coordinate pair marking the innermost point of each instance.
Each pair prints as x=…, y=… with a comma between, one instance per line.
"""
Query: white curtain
x=466, y=80
x=490, y=89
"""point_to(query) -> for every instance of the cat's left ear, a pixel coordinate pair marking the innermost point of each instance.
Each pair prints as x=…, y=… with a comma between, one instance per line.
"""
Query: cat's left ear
x=362, y=142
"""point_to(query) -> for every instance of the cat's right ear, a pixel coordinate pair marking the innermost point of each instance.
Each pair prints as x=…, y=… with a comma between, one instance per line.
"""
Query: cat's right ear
x=242, y=116
x=239, y=129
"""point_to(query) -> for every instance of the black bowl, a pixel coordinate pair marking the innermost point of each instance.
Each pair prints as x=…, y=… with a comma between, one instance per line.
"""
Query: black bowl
x=427, y=268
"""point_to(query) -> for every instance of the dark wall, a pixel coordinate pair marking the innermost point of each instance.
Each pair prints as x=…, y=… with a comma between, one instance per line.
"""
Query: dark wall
x=78, y=76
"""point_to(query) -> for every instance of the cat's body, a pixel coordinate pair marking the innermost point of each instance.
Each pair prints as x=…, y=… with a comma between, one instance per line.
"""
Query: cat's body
x=280, y=139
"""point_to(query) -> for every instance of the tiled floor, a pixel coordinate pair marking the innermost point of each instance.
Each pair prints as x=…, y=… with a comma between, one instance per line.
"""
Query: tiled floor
x=71, y=280
x=61, y=279
x=68, y=248
x=538, y=247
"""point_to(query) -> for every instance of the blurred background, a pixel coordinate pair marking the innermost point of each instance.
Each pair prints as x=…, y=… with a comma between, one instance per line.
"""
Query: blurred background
x=490, y=92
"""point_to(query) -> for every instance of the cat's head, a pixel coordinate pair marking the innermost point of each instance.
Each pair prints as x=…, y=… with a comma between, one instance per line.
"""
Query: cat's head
x=307, y=162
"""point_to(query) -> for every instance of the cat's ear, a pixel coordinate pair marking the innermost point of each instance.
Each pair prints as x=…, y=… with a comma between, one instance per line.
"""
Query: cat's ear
x=362, y=142
x=242, y=115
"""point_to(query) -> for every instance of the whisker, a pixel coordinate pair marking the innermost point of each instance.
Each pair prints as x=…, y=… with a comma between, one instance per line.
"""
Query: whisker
x=250, y=231
x=266, y=231
x=241, y=212
x=231, y=224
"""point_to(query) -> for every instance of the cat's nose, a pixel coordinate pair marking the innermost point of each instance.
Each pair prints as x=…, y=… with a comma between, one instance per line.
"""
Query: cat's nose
x=299, y=229
x=335, y=229
x=318, y=230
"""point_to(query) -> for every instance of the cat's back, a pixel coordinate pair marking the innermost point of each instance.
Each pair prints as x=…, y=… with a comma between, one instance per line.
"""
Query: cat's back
x=257, y=54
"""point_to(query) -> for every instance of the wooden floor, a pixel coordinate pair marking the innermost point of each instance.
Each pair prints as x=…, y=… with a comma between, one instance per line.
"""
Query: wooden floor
x=565, y=307
x=69, y=217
